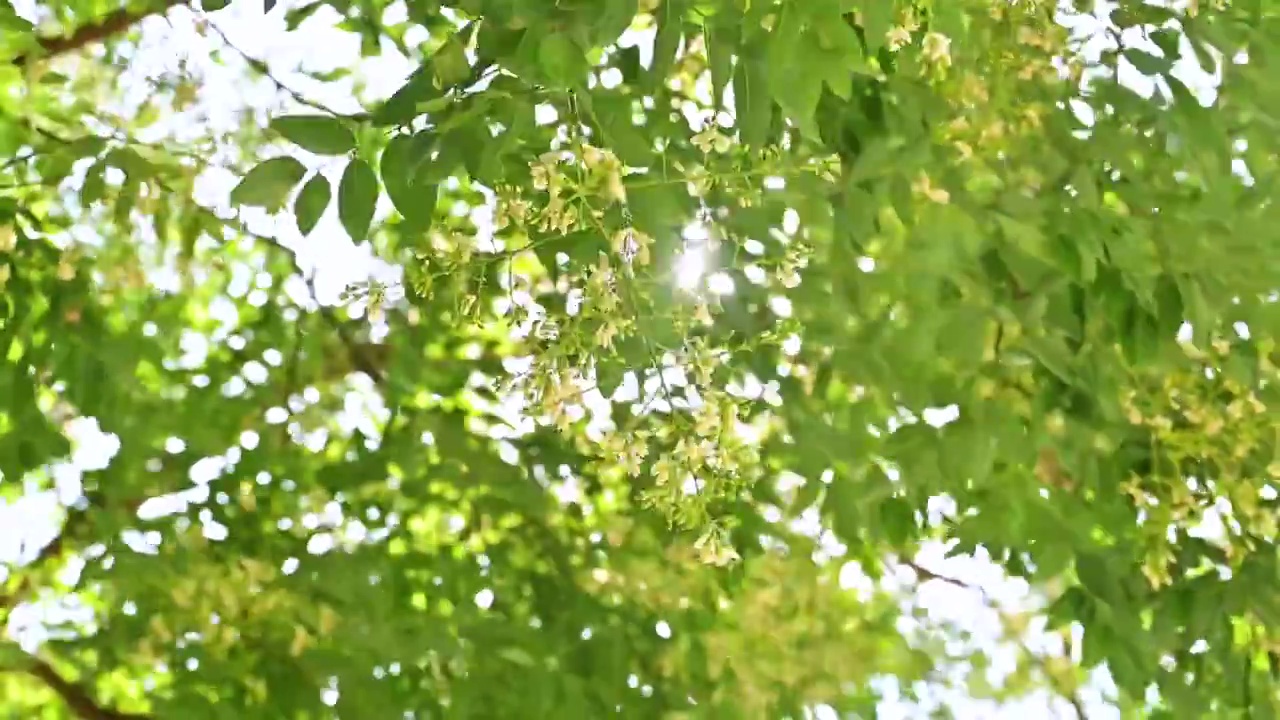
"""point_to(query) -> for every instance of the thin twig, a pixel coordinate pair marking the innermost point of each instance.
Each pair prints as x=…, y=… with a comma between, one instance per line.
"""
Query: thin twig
x=17, y=159
x=262, y=69
x=110, y=25
x=927, y=574
x=1077, y=702
x=1077, y=705
x=76, y=697
x=360, y=360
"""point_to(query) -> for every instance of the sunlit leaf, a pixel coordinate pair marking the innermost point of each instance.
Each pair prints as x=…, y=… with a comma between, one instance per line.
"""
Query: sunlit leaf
x=269, y=183
x=311, y=202
x=357, y=197
x=320, y=134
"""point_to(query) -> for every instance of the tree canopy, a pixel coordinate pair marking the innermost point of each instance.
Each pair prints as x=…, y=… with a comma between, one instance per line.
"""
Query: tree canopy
x=697, y=333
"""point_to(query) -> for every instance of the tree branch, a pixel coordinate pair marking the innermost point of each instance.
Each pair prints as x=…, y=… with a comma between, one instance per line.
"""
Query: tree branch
x=263, y=69
x=925, y=574
x=361, y=359
x=111, y=24
x=76, y=697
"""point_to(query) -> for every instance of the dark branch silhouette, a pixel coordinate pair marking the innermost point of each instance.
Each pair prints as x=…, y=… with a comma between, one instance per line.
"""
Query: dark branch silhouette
x=76, y=697
x=111, y=24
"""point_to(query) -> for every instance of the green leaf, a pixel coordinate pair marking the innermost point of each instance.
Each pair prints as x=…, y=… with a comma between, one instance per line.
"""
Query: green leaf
x=311, y=202
x=269, y=183
x=496, y=43
x=1148, y=63
x=842, y=509
x=133, y=165
x=795, y=85
x=562, y=61
x=398, y=164
x=612, y=21
x=405, y=168
x=320, y=134
x=898, y=520
x=295, y=16
x=611, y=371
x=1095, y=576
x=450, y=63
x=1053, y=354
x=667, y=41
x=402, y=106
x=878, y=18
x=721, y=42
x=95, y=184
x=614, y=116
x=357, y=199
x=517, y=656
x=753, y=104
x=1038, y=299
x=1071, y=606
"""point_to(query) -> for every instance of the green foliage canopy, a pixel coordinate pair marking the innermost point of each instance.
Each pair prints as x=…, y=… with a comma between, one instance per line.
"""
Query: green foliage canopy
x=677, y=275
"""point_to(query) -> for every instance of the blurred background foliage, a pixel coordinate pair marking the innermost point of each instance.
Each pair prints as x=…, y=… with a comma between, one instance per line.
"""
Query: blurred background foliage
x=371, y=359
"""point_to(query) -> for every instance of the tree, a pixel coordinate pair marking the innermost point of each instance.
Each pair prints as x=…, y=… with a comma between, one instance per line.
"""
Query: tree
x=703, y=305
